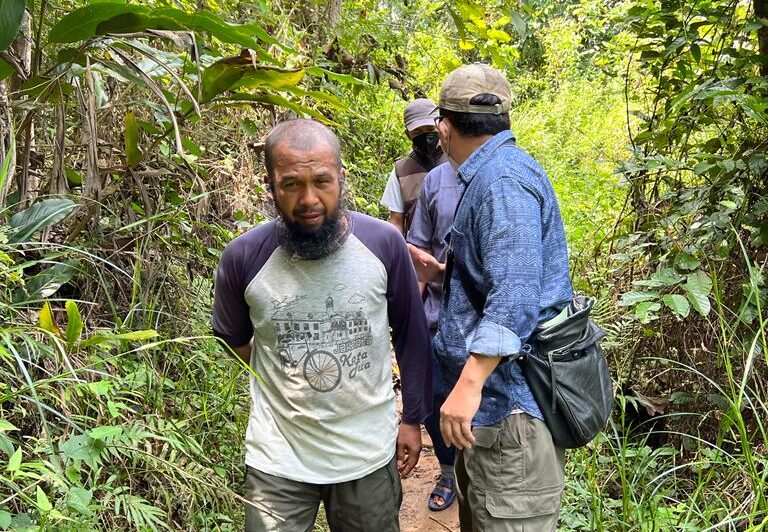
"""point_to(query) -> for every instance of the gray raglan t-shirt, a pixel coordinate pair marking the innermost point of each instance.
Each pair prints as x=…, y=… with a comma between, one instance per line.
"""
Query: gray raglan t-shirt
x=323, y=410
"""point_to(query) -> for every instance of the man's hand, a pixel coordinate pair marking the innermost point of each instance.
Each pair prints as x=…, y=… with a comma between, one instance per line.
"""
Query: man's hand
x=428, y=269
x=456, y=415
x=244, y=352
x=408, y=447
x=462, y=403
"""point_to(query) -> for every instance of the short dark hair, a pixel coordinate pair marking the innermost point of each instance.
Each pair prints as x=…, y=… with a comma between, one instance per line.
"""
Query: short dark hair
x=478, y=124
x=302, y=134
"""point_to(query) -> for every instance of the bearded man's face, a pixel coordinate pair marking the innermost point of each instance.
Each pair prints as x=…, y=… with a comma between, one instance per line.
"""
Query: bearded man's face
x=307, y=191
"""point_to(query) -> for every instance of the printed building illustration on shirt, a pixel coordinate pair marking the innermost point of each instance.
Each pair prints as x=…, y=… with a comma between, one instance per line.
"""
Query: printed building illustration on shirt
x=314, y=340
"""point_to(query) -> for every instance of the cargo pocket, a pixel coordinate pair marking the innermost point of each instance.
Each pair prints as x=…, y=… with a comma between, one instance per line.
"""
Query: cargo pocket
x=483, y=459
x=531, y=479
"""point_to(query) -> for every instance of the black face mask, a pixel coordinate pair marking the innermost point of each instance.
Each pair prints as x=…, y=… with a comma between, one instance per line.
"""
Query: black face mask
x=426, y=145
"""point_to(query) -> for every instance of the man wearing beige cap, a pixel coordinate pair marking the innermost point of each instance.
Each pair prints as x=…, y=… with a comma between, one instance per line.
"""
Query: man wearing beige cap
x=507, y=272
x=405, y=180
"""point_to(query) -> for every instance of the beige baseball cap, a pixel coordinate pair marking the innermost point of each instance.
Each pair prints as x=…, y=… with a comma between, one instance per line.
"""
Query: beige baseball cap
x=467, y=81
x=418, y=113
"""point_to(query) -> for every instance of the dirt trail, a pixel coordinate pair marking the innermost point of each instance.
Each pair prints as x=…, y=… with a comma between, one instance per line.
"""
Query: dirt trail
x=414, y=514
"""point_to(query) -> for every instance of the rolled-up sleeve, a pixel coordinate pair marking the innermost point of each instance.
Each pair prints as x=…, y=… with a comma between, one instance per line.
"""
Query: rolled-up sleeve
x=509, y=240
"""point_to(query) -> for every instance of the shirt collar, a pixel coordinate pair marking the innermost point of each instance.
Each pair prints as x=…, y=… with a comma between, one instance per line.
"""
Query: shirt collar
x=477, y=159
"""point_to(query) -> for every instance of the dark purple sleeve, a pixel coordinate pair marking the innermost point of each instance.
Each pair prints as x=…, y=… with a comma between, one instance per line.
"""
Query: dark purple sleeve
x=241, y=261
x=410, y=333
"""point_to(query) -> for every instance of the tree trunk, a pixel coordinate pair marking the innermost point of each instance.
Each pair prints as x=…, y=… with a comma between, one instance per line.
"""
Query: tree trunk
x=58, y=183
x=761, y=11
x=28, y=181
x=7, y=150
x=319, y=19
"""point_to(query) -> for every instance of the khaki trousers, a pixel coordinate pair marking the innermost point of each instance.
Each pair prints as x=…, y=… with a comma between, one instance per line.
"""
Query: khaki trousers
x=511, y=479
x=368, y=504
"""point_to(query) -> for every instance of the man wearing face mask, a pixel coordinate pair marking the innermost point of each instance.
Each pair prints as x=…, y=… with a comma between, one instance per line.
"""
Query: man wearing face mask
x=401, y=196
x=405, y=180
x=308, y=301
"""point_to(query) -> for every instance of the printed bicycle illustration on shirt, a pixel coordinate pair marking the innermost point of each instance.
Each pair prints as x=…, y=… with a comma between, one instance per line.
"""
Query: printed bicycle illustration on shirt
x=321, y=369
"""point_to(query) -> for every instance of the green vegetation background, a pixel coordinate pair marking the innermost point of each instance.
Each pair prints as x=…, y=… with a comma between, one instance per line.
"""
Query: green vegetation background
x=130, y=154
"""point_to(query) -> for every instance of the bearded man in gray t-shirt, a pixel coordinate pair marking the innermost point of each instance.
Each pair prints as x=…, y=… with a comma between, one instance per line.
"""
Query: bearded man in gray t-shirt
x=308, y=301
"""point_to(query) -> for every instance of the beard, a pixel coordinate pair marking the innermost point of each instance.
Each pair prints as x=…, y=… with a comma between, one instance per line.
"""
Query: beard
x=308, y=243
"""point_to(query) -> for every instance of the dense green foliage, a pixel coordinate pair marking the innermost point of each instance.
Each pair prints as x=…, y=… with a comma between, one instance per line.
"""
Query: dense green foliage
x=130, y=143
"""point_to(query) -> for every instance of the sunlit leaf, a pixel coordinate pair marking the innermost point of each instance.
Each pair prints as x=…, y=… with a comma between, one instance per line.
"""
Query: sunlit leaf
x=74, y=323
x=133, y=153
x=6, y=426
x=14, y=462
x=499, y=35
x=107, y=338
x=43, y=504
x=47, y=321
x=73, y=176
x=108, y=431
x=218, y=78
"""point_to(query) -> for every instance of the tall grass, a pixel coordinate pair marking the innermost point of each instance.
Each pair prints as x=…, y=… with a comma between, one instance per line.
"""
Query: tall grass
x=711, y=477
x=106, y=423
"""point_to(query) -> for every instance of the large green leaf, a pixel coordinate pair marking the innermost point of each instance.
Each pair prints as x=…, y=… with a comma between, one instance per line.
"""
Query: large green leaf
x=271, y=77
x=48, y=281
x=40, y=215
x=217, y=78
x=646, y=311
x=103, y=18
x=677, y=304
x=697, y=288
x=242, y=72
x=11, y=12
x=81, y=24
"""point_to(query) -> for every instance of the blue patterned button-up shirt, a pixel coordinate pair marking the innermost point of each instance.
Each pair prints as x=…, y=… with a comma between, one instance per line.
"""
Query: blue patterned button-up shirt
x=508, y=241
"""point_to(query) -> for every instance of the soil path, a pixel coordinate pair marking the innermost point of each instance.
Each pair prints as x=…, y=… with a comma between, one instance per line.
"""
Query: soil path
x=414, y=514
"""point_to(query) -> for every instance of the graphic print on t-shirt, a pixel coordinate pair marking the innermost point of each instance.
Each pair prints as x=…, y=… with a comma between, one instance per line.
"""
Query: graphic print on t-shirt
x=324, y=344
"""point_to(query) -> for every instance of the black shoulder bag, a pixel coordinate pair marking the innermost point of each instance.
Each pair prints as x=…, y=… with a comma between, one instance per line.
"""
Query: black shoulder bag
x=567, y=372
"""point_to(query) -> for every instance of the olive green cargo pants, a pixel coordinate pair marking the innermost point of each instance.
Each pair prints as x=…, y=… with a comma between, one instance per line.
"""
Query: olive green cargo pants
x=369, y=504
x=511, y=479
